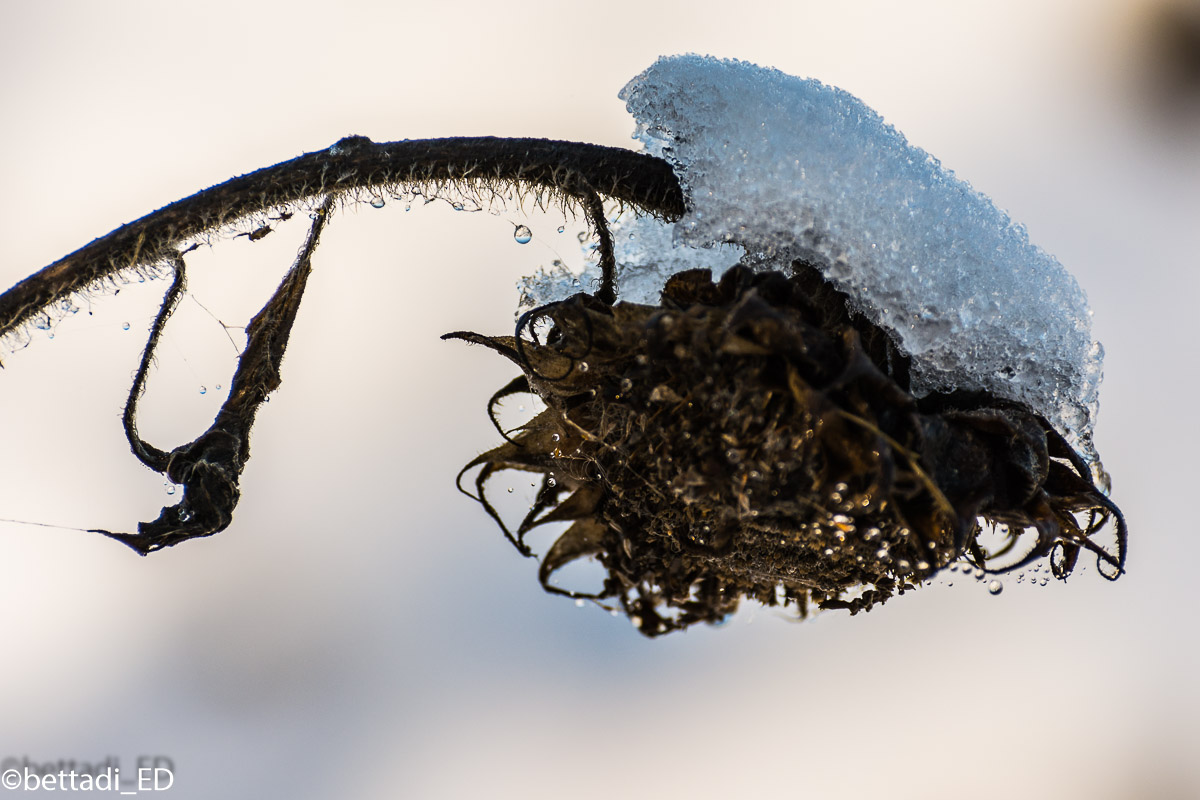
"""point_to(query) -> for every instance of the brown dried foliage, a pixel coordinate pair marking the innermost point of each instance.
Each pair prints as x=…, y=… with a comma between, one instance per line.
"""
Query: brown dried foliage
x=754, y=438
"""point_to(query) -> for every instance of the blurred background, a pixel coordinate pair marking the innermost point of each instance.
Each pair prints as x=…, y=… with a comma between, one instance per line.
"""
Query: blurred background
x=362, y=630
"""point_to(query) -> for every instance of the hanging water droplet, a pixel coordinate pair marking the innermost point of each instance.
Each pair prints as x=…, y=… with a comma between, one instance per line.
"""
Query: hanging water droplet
x=995, y=587
x=124, y=326
x=50, y=335
x=378, y=202
x=579, y=602
x=551, y=482
x=522, y=234
x=203, y=390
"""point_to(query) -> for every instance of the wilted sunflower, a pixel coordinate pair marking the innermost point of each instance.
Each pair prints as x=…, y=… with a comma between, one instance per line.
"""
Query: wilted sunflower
x=888, y=375
x=755, y=438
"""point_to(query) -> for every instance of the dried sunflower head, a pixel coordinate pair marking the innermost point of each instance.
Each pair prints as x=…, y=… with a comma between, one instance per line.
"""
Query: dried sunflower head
x=755, y=438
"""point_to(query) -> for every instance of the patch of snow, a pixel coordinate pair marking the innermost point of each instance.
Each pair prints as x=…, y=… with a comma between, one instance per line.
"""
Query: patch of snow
x=776, y=168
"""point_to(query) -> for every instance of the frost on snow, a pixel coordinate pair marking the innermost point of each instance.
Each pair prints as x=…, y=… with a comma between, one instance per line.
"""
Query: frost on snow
x=782, y=168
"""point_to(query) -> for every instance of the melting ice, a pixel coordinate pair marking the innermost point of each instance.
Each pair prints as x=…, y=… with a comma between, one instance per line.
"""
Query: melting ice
x=776, y=167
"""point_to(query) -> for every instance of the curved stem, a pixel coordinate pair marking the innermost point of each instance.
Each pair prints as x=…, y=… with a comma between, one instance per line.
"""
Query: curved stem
x=566, y=171
x=147, y=453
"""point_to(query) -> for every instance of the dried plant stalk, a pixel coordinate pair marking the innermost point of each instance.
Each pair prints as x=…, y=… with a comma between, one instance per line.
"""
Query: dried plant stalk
x=569, y=173
x=486, y=168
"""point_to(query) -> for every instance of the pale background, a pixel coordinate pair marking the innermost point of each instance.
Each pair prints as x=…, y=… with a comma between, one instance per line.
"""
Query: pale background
x=363, y=631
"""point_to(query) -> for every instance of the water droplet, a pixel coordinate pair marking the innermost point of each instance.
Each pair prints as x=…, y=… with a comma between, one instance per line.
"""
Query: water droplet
x=551, y=482
x=995, y=587
x=554, y=437
x=520, y=408
x=171, y=489
x=50, y=335
x=562, y=228
x=124, y=326
x=583, y=366
x=218, y=387
x=510, y=490
x=579, y=602
x=522, y=234
x=203, y=390
x=378, y=202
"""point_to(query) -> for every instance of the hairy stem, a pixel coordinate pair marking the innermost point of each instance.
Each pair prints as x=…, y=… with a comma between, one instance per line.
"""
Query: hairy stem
x=568, y=171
